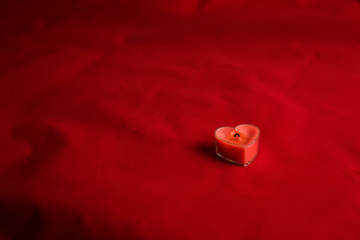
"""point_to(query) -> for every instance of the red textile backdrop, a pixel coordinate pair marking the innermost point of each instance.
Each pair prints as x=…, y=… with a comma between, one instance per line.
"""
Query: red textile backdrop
x=108, y=111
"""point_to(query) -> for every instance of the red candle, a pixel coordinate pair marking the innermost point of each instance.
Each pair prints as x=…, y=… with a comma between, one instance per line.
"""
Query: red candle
x=238, y=145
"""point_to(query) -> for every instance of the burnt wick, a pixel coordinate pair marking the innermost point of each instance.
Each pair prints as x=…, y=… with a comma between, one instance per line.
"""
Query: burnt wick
x=237, y=135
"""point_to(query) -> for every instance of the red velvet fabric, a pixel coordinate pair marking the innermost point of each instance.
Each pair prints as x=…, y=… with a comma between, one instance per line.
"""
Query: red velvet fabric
x=108, y=111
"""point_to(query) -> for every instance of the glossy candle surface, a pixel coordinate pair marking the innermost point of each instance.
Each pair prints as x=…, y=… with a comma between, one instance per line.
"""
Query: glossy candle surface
x=239, y=144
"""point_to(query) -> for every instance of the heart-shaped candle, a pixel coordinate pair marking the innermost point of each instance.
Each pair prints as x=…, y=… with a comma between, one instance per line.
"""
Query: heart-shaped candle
x=238, y=145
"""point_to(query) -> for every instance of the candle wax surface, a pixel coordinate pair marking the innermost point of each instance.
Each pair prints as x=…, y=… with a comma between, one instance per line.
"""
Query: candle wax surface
x=236, y=139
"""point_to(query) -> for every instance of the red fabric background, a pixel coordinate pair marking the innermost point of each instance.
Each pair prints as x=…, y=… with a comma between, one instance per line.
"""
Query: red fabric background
x=108, y=111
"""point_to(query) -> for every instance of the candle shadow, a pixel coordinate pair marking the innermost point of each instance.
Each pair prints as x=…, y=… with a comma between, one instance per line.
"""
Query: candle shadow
x=208, y=150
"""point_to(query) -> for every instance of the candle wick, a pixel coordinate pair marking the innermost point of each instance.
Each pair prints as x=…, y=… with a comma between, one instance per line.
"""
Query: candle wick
x=237, y=135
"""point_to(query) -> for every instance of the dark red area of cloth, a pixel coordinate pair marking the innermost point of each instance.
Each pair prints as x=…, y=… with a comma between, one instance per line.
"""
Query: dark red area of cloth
x=108, y=111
